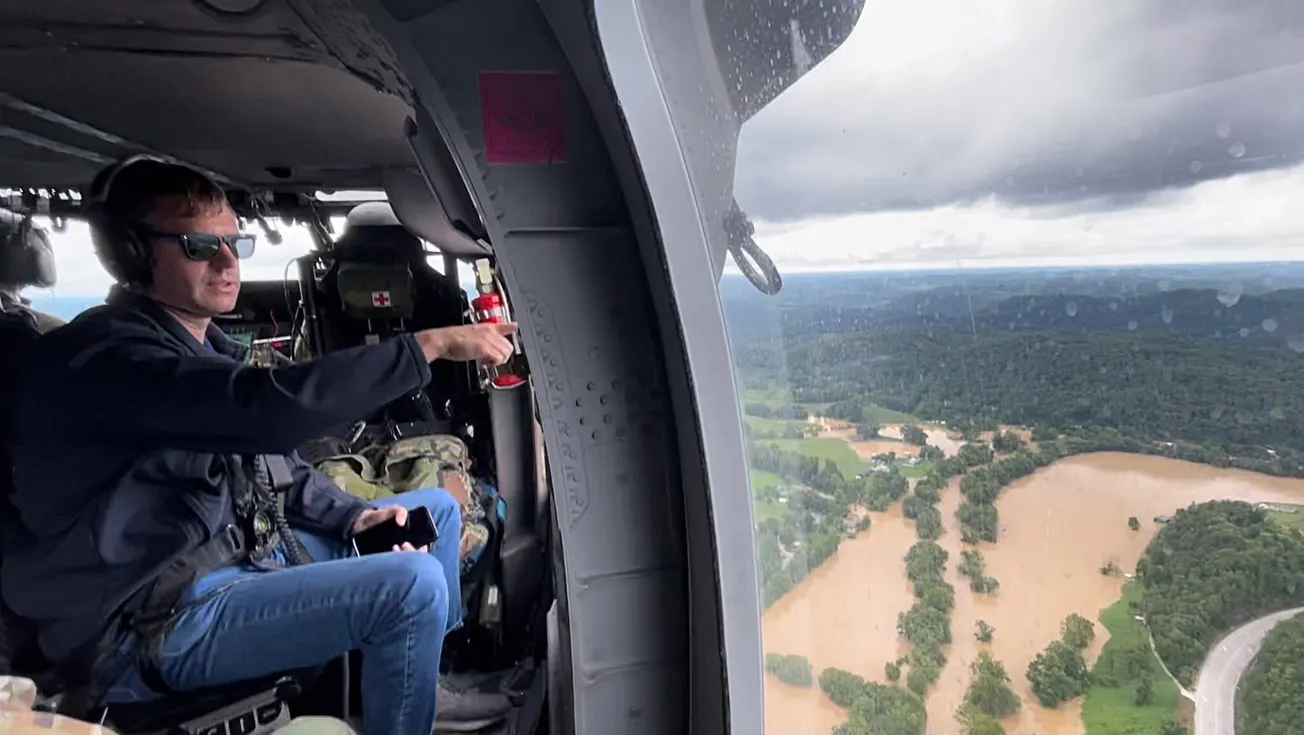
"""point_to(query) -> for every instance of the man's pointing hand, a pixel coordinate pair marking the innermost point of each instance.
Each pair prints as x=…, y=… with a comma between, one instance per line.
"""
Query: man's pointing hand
x=487, y=343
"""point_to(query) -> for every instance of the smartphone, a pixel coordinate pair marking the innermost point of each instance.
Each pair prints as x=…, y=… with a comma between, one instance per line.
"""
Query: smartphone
x=419, y=531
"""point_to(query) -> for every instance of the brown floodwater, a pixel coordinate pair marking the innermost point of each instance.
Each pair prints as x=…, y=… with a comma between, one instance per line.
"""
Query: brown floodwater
x=843, y=615
x=1058, y=527
x=938, y=436
x=867, y=449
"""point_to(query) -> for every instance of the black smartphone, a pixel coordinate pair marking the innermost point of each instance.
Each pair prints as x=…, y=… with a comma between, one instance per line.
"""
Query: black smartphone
x=419, y=531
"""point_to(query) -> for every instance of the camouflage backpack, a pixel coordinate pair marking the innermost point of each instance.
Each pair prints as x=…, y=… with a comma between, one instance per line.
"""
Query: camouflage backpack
x=410, y=464
x=439, y=461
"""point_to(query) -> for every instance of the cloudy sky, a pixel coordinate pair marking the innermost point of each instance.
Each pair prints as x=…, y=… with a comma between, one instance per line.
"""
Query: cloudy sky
x=999, y=132
x=1004, y=131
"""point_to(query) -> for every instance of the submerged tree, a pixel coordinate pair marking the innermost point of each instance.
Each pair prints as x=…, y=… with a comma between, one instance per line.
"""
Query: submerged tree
x=1077, y=631
x=1058, y=674
x=989, y=691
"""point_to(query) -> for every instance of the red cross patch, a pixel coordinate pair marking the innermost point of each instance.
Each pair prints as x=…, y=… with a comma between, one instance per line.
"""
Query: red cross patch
x=380, y=298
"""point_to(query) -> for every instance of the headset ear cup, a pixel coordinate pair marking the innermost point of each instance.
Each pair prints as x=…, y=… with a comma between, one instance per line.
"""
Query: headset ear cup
x=140, y=261
x=120, y=251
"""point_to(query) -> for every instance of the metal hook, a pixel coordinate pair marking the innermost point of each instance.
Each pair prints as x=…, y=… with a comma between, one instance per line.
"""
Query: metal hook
x=751, y=260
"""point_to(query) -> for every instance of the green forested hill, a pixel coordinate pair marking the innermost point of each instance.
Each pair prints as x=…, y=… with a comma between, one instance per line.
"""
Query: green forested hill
x=1216, y=566
x=1162, y=387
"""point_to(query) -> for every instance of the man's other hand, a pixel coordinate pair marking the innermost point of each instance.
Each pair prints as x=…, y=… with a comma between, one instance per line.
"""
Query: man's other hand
x=376, y=516
x=488, y=343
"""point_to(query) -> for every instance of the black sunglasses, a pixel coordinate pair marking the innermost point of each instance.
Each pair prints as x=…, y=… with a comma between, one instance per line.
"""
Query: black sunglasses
x=203, y=246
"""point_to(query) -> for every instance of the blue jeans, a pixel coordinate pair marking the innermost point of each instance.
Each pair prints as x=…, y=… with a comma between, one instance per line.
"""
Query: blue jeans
x=239, y=623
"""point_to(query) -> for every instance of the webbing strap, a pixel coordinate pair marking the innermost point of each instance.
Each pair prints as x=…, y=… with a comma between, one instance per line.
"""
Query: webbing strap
x=278, y=469
x=271, y=480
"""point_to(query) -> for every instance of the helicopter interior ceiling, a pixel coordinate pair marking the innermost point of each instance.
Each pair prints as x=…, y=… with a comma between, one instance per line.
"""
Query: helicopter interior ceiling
x=255, y=97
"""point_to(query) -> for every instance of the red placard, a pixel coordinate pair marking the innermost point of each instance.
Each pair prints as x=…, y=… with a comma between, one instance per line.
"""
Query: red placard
x=524, y=117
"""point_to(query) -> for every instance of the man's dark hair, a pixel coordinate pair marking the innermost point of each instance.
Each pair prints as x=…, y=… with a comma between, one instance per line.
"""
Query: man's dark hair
x=137, y=189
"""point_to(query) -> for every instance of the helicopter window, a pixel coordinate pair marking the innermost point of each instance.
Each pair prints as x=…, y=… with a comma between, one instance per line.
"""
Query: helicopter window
x=82, y=282
x=1022, y=420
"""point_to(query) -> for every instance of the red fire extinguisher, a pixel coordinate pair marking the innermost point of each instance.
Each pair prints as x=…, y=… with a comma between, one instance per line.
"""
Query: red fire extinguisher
x=490, y=308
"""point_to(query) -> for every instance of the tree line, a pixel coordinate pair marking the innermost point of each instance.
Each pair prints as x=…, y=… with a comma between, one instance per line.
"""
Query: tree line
x=1148, y=385
x=873, y=708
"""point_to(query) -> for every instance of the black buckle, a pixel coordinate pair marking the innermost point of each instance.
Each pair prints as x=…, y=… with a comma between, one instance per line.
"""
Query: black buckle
x=237, y=538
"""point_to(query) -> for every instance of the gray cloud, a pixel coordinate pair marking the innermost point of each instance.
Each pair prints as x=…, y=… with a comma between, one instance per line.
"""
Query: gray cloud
x=1053, y=102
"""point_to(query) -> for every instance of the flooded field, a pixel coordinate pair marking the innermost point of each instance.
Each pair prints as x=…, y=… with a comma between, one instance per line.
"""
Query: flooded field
x=890, y=438
x=1058, y=527
x=868, y=449
x=938, y=436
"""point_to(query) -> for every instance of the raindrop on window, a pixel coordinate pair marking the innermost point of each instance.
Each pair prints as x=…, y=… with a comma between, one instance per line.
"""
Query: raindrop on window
x=1223, y=130
x=1166, y=314
x=1269, y=325
x=801, y=57
x=1196, y=167
x=1071, y=308
x=1229, y=295
x=1244, y=332
x=1131, y=325
x=1237, y=150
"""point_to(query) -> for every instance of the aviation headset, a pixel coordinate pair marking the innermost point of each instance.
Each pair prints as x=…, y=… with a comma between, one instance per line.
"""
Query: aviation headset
x=117, y=242
x=26, y=256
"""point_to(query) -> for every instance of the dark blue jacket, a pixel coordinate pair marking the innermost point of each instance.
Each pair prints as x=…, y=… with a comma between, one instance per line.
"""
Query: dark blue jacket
x=117, y=421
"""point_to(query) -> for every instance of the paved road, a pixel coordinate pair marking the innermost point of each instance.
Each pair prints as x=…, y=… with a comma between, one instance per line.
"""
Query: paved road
x=1215, y=694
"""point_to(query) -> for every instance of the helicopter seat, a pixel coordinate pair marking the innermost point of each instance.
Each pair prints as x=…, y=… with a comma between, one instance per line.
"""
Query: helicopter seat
x=18, y=332
x=376, y=296
x=26, y=259
x=258, y=705
x=368, y=294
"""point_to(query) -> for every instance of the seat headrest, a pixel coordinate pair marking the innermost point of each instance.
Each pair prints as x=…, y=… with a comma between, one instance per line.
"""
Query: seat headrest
x=372, y=225
x=371, y=214
x=26, y=257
